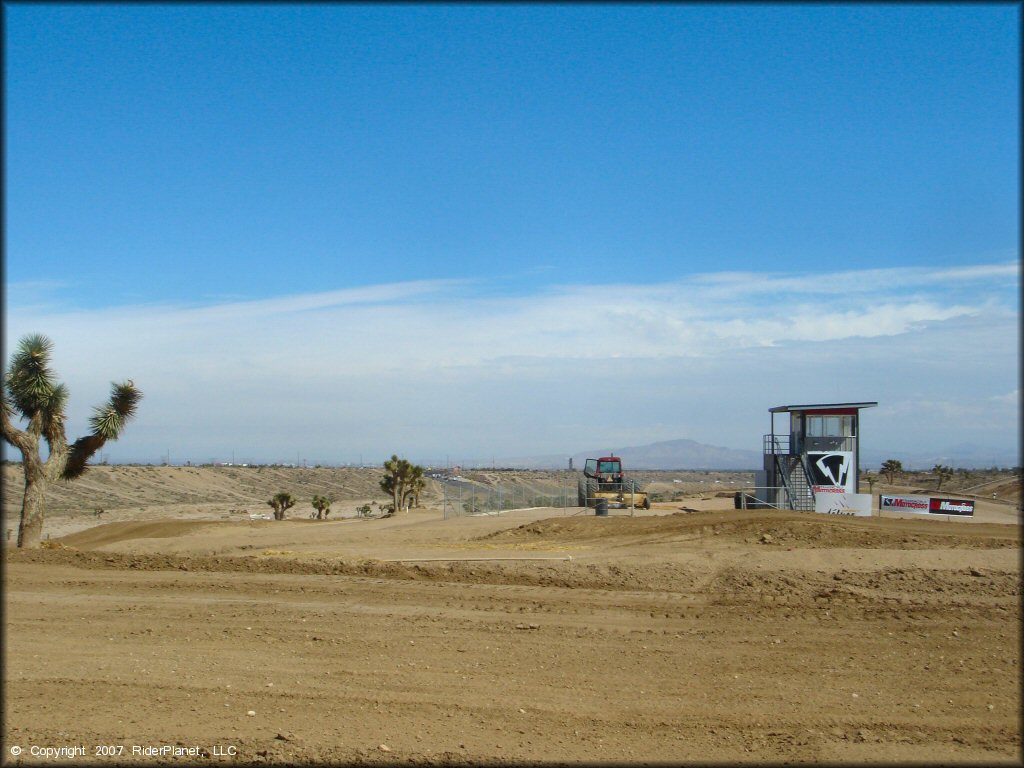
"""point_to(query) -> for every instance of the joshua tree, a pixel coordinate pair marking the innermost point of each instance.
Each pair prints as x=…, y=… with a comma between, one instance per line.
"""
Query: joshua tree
x=32, y=393
x=890, y=467
x=281, y=502
x=322, y=505
x=942, y=473
x=402, y=481
x=391, y=483
x=415, y=484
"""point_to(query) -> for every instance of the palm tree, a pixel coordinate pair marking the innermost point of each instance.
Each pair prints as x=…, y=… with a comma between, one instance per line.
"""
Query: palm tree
x=32, y=393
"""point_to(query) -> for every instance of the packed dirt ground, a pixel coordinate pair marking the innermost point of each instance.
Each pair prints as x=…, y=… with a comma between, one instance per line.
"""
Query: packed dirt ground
x=694, y=633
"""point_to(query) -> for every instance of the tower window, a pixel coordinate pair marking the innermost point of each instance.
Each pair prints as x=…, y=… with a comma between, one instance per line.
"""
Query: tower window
x=830, y=426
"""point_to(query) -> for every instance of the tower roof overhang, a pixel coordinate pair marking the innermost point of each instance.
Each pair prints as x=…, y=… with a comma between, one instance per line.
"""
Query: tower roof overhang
x=822, y=407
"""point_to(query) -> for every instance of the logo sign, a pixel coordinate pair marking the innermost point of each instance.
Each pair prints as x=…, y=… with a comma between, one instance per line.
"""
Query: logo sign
x=926, y=505
x=847, y=504
x=831, y=471
x=964, y=507
x=916, y=504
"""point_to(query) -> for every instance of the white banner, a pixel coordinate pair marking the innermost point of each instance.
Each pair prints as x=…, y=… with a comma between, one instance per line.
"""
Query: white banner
x=916, y=504
x=849, y=504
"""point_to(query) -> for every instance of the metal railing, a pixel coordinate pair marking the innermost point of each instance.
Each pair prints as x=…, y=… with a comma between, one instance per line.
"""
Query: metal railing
x=757, y=498
x=830, y=443
x=782, y=445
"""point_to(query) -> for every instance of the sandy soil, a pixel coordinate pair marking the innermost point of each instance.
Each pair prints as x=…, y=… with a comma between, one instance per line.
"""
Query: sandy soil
x=695, y=633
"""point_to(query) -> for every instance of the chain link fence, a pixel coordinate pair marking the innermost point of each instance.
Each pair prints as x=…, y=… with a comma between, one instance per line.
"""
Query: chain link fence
x=462, y=499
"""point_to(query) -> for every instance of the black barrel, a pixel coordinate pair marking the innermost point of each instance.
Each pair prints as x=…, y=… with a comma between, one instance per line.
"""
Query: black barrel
x=601, y=508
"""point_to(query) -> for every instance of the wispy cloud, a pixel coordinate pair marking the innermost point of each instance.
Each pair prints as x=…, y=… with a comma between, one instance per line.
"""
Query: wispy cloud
x=891, y=282
x=1010, y=398
x=436, y=364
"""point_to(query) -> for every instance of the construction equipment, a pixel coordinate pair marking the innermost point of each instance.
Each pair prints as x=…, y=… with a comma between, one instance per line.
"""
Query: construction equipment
x=603, y=480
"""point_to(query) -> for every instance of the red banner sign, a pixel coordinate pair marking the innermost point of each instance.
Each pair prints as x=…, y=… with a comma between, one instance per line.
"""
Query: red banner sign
x=951, y=507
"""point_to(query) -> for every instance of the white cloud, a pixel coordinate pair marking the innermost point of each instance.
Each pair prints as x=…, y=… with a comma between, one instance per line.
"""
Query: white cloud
x=439, y=366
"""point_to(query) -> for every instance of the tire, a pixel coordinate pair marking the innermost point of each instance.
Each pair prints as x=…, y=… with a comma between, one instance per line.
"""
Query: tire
x=591, y=489
x=581, y=492
x=632, y=486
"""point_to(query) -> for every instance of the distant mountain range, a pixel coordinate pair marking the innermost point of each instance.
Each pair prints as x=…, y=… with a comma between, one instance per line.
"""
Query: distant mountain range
x=689, y=454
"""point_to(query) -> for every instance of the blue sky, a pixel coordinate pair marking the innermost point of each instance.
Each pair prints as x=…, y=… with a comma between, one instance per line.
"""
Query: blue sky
x=339, y=230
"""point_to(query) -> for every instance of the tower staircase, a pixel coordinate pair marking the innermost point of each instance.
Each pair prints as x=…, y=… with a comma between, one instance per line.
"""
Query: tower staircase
x=794, y=476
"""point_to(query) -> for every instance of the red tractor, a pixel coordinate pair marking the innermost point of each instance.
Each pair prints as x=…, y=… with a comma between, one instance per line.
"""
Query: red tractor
x=603, y=479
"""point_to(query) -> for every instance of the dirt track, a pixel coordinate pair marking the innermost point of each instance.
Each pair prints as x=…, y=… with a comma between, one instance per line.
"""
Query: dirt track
x=710, y=636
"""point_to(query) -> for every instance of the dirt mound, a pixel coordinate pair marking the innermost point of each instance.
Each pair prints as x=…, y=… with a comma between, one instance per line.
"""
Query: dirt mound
x=900, y=585
x=789, y=529
x=550, y=574
x=903, y=586
x=110, y=533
